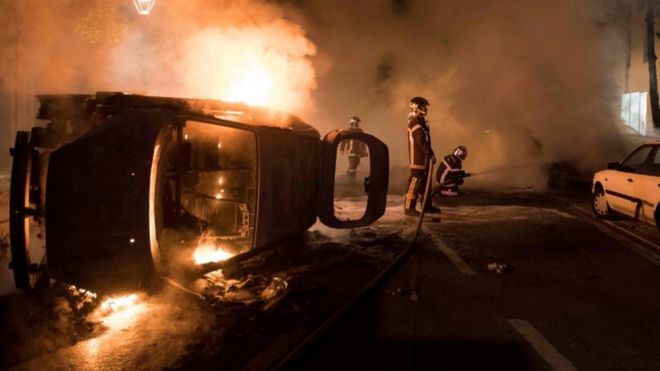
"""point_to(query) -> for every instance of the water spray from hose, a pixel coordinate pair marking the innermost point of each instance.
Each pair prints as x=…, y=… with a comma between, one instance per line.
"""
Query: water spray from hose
x=508, y=168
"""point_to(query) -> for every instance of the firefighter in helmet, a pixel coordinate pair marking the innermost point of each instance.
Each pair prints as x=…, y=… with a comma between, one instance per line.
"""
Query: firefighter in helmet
x=354, y=149
x=450, y=174
x=421, y=155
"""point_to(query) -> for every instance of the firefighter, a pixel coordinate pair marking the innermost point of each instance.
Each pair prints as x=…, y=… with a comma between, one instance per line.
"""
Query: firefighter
x=354, y=149
x=450, y=174
x=421, y=154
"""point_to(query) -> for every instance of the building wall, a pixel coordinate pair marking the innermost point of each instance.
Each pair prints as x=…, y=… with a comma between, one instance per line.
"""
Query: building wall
x=636, y=75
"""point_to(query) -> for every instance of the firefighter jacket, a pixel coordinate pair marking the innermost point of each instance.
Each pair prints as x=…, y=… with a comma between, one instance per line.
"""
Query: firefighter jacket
x=419, y=142
x=353, y=148
x=449, y=172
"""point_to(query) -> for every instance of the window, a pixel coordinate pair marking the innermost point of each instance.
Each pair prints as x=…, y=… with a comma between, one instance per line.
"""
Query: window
x=637, y=159
x=205, y=193
x=654, y=165
x=633, y=111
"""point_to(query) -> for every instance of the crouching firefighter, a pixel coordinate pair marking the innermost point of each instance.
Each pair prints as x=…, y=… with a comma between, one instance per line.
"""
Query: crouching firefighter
x=421, y=155
x=450, y=174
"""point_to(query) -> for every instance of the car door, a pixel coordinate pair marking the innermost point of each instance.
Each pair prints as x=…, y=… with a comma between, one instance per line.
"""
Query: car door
x=620, y=184
x=647, y=185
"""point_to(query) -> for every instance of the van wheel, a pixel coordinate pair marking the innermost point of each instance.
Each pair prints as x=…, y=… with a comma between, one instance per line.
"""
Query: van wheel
x=599, y=203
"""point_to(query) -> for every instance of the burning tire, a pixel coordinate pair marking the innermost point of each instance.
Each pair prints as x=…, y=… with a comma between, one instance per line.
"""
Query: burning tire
x=599, y=203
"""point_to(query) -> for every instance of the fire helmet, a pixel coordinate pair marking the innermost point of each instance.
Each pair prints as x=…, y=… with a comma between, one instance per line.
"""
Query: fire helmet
x=419, y=106
x=460, y=152
x=354, y=121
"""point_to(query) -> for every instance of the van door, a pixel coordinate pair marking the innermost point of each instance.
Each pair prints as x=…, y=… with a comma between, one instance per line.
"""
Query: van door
x=353, y=180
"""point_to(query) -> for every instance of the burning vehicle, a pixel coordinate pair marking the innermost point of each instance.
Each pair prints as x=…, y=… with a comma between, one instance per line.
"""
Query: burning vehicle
x=117, y=189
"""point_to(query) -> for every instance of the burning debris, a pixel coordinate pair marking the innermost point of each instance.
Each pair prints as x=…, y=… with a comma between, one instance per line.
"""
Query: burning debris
x=248, y=290
x=209, y=252
x=117, y=303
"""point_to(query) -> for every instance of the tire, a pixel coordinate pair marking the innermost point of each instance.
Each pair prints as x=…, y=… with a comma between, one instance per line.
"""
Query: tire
x=28, y=273
x=599, y=203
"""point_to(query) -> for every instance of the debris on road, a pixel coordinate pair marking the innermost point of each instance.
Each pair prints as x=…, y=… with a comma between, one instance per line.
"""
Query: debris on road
x=247, y=290
x=499, y=268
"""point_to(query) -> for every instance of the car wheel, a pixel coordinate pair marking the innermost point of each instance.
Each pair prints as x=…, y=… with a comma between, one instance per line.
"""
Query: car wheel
x=599, y=203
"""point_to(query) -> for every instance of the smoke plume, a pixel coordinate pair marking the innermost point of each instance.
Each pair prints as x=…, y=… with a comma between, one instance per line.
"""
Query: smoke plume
x=514, y=81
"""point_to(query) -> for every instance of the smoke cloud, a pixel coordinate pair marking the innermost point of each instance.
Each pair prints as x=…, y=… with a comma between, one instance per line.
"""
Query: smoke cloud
x=514, y=81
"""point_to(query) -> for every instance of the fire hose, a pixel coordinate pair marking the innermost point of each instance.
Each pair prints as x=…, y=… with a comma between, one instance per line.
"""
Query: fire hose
x=286, y=360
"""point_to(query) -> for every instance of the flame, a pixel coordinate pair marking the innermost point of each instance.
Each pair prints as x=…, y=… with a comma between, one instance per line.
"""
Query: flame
x=267, y=66
x=117, y=303
x=210, y=253
x=252, y=85
x=120, y=312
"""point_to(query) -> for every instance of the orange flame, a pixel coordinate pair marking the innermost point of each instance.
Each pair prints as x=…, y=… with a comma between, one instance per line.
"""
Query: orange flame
x=208, y=252
x=116, y=303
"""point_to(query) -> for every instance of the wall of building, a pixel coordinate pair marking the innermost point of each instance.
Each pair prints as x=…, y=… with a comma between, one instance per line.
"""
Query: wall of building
x=636, y=75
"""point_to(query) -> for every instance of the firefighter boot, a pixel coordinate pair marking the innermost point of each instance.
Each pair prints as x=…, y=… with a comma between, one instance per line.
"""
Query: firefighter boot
x=411, y=211
x=429, y=208
x=411, y=197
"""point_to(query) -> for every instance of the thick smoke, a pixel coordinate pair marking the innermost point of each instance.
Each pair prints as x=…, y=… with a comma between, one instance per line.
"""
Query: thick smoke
x=515, y=81
x=231, y=50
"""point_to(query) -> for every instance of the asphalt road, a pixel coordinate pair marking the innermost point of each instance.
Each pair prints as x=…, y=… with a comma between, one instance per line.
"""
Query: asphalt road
x=575, y=293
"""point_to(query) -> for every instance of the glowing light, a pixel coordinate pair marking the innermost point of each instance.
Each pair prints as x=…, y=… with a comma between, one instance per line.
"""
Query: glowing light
x=117, y=303
x=252, y=85
x=209, y=252
x=132, y=240
x=221, y=180
x=218, y=196
x=144, y=7
x=119, y=312
x=219, y=145
x=185, y=137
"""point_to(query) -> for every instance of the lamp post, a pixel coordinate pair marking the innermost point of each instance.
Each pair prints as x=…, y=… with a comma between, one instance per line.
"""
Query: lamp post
x=144, y=7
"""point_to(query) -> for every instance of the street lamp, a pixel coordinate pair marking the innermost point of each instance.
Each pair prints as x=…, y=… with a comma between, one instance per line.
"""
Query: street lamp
x=144, y=7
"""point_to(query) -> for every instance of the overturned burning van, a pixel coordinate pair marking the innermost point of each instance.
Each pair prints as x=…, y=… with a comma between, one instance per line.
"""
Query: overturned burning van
x=117, y=189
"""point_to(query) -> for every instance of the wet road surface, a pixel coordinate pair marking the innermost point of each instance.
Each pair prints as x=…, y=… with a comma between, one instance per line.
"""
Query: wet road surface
x=573, y=294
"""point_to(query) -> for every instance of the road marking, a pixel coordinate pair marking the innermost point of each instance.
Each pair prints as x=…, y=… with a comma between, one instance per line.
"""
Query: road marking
x=650, y=253
x=451, y=254
x=542, y=346
x=622, y=229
